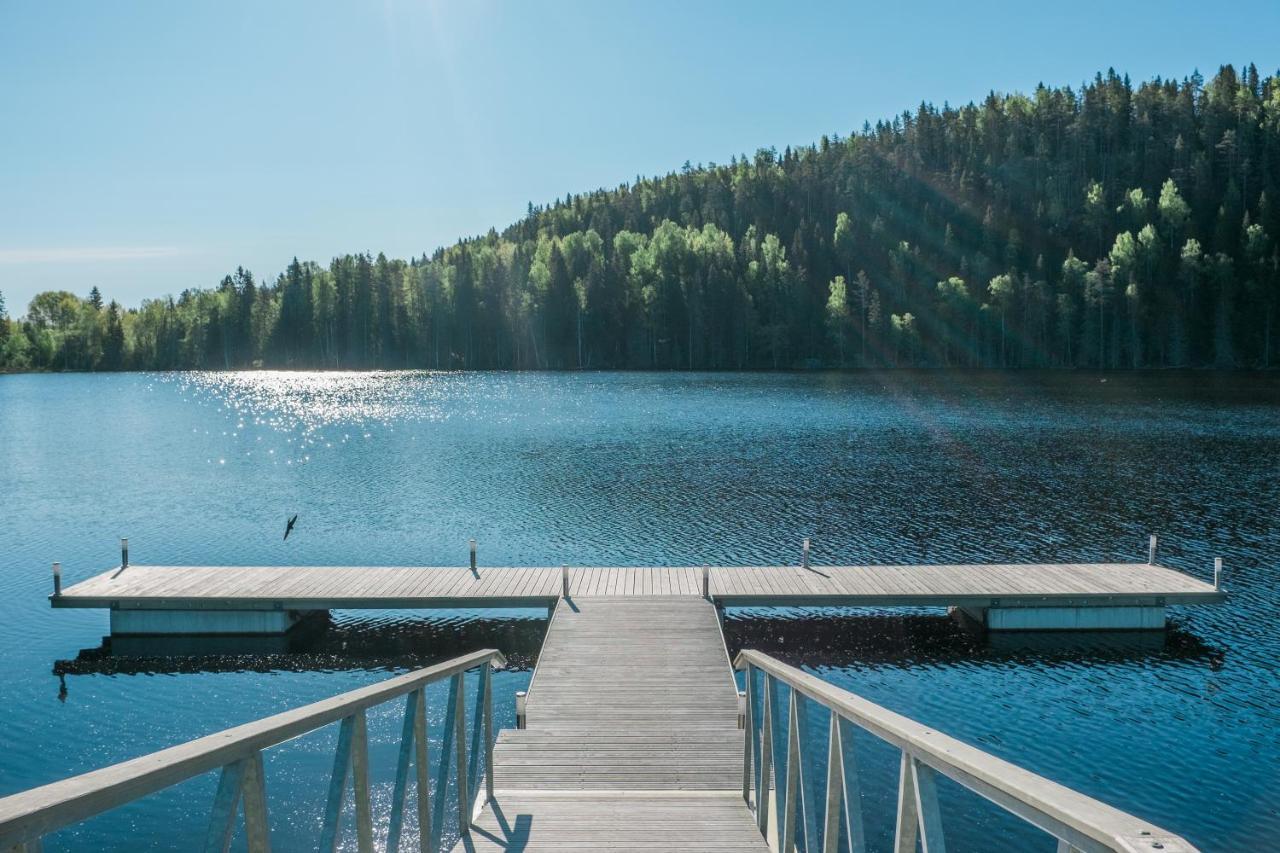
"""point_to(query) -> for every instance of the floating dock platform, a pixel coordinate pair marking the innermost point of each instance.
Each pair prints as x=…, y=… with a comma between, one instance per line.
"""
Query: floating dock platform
x=149, y=600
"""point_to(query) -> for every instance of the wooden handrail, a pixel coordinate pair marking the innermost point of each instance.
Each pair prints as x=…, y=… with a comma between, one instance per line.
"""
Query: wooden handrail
x=1079, y=822
x=27, y=816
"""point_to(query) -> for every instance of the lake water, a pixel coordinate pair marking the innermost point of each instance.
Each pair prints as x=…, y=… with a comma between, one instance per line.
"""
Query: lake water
x=403, y=468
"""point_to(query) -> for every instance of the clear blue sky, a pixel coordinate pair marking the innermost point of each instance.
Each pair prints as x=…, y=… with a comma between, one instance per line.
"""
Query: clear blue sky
x=150, y=147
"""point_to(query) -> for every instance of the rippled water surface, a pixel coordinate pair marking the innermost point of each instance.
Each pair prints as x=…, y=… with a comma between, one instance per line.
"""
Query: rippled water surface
x=403, y=468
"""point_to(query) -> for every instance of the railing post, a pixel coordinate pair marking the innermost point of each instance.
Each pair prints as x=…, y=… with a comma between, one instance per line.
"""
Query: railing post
x=1217, y=573
x=908, y=825
x=1151, y=550
x=255, y=806
x=799, y=808
x=706, y=583
x=521, y=698
x=124, y=553
x=791, y=781
x=442, y=769
x=460, y=750
x=350, y=761
x=337, y=787
x=748, y=734
x=396, y=825
x=423, y=774
x=360, y=781
x=930, y=817
x=766, y=757
x=473, y=555
x=804, y=554
x=564, y=581
x=488, y=732
x=842, y=790
x=477, y=736
x=57, y=578
x=226, y=802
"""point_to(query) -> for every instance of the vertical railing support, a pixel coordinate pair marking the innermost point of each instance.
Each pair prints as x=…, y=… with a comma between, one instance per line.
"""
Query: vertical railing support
x=255, y=806
x=410, y=744
x=360, y=782
x=423, y=768
x=460, y=750
x=843, y=791
x=487, y=676
x=789, y=789
x=564, y=581
x=763, y=779
x=226, y=804
x=927, y=808
x=337, y=787
x=908, y=825
x=748, y=734
x=521, y=698
x=57, y=578
x=124, y=553
x=479, y=740
x=442, y=769
x=804, y=553
x=798, y=811
x=350, y=761
x=706, y=583
x=1151, y=550
x=473, y=556
x=1217, y=573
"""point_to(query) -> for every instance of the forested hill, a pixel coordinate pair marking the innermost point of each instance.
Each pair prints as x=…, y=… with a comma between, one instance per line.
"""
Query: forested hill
x=1111, y=227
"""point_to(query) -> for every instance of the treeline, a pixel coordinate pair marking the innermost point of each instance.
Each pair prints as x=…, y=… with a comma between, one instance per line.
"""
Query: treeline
x=1111, y=227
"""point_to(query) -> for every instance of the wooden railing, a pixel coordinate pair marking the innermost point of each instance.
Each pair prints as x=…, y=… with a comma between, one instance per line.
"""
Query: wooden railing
x=27, y=817
x=1078, y=822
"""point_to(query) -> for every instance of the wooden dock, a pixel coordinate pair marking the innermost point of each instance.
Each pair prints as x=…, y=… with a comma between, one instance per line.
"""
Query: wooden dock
x=631, y=739
x=629, y=735
x=270, y=599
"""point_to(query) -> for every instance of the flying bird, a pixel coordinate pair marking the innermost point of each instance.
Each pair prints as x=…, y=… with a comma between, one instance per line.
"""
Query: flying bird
x=289, y=527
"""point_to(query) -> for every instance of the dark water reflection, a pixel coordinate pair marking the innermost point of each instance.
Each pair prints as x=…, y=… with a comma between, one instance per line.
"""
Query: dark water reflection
x=403, y=468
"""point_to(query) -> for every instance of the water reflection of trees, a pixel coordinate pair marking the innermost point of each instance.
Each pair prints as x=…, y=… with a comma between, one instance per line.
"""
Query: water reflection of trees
x=850, y=637
x=387, y=643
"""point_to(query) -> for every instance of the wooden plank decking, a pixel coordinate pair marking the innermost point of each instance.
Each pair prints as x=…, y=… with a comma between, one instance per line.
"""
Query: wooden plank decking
x=631, y=740
x=346, y=587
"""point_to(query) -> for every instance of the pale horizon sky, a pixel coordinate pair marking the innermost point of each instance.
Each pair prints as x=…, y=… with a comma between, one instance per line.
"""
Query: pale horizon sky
x=152, y=147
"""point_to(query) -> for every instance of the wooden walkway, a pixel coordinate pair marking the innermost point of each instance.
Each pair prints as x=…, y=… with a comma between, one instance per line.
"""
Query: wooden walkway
x=334, y=587
x=631, y=738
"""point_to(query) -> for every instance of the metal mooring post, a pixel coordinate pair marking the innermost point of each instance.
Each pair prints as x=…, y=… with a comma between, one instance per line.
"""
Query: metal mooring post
x=520, y=697
x=706, y=582
x=564, y=581
x=57, y=578
x=473, y=555
x=804, y=556
x=1217, y=572
x=124, y=553
x=1151, y=551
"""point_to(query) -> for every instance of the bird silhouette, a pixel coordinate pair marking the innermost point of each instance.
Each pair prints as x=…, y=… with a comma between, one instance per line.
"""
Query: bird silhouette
x=289, y=527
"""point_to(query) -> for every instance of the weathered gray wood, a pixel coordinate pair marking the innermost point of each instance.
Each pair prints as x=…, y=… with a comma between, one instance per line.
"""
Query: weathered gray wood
x=360, y=781
x=346, y=587
x=255, y=805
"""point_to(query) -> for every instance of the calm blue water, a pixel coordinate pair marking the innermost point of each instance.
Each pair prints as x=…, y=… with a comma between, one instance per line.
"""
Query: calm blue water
x=403, y=468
